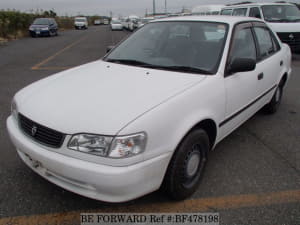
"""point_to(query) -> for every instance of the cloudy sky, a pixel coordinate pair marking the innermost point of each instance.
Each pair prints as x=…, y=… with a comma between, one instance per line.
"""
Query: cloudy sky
x=104, y=7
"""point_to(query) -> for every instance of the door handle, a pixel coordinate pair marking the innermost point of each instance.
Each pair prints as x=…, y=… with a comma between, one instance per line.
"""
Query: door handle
x=281, y=63
x=260, y=76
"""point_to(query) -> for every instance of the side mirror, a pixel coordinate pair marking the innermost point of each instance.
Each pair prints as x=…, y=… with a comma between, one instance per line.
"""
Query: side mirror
x=109, y=48
x=241, y=65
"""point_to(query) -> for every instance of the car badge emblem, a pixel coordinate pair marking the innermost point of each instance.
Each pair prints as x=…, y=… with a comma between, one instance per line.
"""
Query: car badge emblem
x=291, y=36
x=33, y=130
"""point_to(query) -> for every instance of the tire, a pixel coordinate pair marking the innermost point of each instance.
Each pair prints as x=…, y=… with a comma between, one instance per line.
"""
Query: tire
x=186, y=167
x=273, y=105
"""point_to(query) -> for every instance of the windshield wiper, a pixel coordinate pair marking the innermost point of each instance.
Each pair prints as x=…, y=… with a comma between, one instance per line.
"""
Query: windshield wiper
x=129, y=62
x=152, y=66
x=183, y=69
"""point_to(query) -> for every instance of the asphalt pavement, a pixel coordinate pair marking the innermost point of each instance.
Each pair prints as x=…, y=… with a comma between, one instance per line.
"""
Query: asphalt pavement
x=252, y=177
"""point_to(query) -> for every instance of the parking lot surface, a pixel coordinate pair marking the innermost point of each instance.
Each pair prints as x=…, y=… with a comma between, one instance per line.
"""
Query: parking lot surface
x=252, y=177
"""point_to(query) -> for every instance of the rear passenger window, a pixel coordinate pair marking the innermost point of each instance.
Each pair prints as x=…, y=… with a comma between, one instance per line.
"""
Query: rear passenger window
x=239, y=12
x=254, y=12
x=267, y=44
x=226, y=12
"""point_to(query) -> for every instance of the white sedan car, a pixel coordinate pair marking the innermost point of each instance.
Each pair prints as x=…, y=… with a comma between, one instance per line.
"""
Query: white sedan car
x=149, y=112
x=116, y=25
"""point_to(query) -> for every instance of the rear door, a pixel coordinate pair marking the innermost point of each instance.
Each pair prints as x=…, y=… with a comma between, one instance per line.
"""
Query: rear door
x=269, y=61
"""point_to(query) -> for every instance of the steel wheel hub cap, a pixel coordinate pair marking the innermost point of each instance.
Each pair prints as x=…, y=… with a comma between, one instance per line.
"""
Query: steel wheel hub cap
x=193, y=164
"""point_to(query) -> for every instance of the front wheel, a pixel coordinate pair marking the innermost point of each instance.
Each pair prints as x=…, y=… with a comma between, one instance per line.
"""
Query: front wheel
x=187, y=165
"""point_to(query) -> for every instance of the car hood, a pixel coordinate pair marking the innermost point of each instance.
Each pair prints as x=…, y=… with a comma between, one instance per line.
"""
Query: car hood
x=99, y=97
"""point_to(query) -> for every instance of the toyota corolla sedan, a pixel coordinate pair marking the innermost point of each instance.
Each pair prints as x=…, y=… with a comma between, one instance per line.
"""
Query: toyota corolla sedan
x=43, y=27
x=148, y=114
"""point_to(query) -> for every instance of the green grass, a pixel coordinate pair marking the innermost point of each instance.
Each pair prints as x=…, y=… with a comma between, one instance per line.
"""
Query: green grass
x=15, y=24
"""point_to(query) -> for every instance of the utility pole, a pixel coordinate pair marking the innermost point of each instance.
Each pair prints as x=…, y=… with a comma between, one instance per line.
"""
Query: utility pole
x=166, y=7
x=154, y=8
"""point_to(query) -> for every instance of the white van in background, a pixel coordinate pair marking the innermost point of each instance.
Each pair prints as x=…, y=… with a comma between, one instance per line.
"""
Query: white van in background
x=283, y=18
x=207, y=9
x=80, y=23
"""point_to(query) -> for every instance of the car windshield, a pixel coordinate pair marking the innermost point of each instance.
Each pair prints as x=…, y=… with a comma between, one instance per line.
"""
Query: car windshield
x=193, y=47
x=41, y=21
x=115, y=21
x=281, y=13
x=80, y=20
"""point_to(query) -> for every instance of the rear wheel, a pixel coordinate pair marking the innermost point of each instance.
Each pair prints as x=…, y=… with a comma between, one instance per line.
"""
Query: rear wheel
x=187, y=165
x=273, y=105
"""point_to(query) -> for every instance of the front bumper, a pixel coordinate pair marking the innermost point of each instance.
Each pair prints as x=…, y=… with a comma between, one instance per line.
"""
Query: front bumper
x=116, y=27
x=80, y=26
x=101, y=182
x=39, y=32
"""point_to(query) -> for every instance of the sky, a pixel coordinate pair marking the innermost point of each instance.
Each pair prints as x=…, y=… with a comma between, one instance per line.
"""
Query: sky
x=104, y=7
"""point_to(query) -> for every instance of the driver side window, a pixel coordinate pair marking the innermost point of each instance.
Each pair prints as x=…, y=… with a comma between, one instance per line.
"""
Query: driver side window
x=243, y=45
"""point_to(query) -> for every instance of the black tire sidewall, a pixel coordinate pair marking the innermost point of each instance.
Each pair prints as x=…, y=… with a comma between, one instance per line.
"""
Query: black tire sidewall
x=273, y=105
x=174, y=181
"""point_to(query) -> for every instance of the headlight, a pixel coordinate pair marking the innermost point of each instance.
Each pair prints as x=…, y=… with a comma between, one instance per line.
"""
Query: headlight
x=107, y=146
x=30, y=28
x=126, y=146
x=45, y=28
x=14, y=109
x=89, y=143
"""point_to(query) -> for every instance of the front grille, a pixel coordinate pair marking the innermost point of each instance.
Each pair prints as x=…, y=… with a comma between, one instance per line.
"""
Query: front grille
x=40, y=133
x=290, y=38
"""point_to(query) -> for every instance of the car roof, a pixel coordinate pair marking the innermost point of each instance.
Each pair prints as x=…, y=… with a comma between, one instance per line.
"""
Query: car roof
x=255, y=4
x=219, y=19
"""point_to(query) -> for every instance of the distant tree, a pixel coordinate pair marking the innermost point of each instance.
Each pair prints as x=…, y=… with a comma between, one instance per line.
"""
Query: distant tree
x=49, y=13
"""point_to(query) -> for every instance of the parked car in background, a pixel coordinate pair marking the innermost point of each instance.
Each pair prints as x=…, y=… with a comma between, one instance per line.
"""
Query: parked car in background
x=148, y=114
x=105, y=21
x=283, y=18
x=131, y=22
x=97, y=22
x=43, y=27
x=81, y=23
x=116, y=24
x=207, y=9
